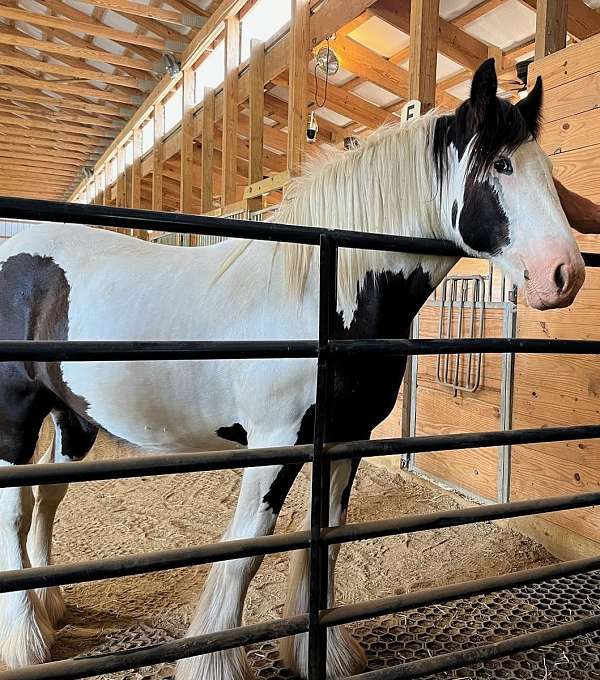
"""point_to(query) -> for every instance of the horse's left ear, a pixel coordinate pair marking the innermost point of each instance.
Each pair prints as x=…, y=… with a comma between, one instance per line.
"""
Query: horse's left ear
x=531, y=108
x=483, y=91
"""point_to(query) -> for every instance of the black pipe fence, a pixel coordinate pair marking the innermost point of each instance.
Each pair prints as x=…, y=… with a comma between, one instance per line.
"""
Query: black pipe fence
x=321, y=454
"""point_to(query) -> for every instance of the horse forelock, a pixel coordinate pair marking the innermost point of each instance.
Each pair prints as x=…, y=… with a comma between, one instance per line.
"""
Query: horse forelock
x=502, y=132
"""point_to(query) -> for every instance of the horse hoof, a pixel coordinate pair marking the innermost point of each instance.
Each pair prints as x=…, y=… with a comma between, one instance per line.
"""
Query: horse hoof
x=230, y=664
x=345, y=657
x=53, y=601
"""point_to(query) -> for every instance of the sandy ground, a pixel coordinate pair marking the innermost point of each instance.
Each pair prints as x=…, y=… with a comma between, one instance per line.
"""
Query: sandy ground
x=108, y=518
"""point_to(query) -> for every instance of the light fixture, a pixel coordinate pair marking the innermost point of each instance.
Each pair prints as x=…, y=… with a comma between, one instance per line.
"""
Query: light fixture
x=327, y=61
x=171, y=64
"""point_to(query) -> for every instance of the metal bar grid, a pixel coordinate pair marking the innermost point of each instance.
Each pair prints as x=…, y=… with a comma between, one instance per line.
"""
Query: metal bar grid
x=321, y=536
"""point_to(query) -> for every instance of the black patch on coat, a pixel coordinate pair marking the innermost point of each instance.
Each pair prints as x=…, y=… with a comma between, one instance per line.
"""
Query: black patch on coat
x=234, y=433
x=454, y=213
x=77, y=435
x=34, y=304
x=276, y=495
x=483, y=224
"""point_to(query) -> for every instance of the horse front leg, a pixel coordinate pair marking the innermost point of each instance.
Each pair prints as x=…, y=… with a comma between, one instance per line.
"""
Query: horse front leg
x=344, y=655
x=26, y=634
x=262, y=493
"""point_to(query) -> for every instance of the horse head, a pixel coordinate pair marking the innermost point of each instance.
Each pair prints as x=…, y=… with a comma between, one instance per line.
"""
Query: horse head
x=499, y=198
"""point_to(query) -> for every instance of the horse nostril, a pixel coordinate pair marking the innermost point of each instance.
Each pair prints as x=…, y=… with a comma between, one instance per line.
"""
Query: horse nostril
x=561, y=277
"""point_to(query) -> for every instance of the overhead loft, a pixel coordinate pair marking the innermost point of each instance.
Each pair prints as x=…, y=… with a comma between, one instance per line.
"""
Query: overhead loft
x=72, y=73
x=95, y=141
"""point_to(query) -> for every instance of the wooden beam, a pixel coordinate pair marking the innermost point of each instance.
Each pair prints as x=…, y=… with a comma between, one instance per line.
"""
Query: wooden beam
x=34, y=169
x=70, y=72
x=186, y=140
x=333, y=15
x=230, y=109
x=67, y=88
x=257, y=114
x=582, y=22
x=87, y=27
x=476, y=12
x=121, y=179
x=157, y=167
x=63, y=103
x=149, y=12
x=424, y=15
x=42, y=114
x=455, y=43
x=330, y=17
x=208, y=138
x=371, y=66
x=297, y=109
x=29, y=162
x=50, y=159
x=136, y=169
x=61, y=49
x=550, y=27
x=30, y=124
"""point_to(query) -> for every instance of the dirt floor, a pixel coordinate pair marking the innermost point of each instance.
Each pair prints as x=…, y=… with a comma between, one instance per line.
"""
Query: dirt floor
x=108, y=518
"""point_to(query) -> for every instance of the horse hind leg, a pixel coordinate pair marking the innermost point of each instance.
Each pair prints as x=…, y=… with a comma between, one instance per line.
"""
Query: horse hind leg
x=72, y=440
x=344, y=655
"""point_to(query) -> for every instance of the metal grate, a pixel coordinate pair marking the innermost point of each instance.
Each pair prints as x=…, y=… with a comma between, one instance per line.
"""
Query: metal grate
x=462, y=314
x=439, y=629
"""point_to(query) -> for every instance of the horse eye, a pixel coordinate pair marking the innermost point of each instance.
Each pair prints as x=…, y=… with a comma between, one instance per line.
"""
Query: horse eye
x=503, y=166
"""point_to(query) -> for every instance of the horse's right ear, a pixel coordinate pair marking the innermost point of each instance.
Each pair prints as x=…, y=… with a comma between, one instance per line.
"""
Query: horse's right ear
x=483, y=90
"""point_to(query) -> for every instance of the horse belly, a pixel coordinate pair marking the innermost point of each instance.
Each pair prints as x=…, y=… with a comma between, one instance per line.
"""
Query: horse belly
x=159, y=406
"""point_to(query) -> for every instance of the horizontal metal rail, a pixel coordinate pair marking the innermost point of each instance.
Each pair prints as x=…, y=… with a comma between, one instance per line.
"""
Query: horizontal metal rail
x=178, y=463
x=185, y=223
x=467, y=657
x=351, y=613
x=95, y=570
x=463, y=346
x=99, y=664
x=144, y=563
x=149, y=350
x=199, y=350
x=73, y=213
x=451, y=518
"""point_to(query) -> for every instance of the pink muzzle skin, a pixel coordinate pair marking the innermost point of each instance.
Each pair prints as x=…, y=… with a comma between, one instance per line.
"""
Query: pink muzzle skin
x=554, y=284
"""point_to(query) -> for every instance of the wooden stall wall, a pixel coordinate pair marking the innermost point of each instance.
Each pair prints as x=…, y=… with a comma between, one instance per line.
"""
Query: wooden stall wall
x=564, y=390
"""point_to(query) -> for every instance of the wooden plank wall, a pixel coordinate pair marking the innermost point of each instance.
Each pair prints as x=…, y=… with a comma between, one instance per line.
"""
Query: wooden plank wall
x=551, y=390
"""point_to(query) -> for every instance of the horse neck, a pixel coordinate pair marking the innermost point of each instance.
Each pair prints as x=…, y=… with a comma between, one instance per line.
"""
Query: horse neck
x=388, y=185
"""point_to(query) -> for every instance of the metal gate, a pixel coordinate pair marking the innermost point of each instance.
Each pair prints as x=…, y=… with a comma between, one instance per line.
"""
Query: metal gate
x=327, y=350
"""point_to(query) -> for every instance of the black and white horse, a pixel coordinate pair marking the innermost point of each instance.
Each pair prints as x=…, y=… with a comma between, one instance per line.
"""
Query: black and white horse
x=478, y=178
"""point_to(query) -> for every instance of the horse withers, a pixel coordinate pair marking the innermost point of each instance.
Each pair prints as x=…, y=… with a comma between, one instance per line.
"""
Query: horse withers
x=477, y=178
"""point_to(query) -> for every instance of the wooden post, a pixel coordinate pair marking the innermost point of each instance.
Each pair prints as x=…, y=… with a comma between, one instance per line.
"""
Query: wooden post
x=121, y=180
x=424, y=20
x=230, y=111
x=100, y=186
x=550, y=27
x=136, y=178
x=157, y=165
x=208, y=148
x=257, y=114
x=187, y=143
x=299, y=49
